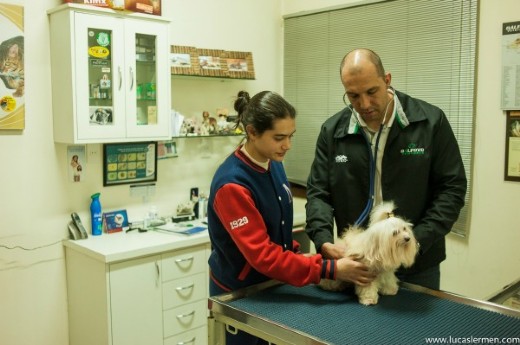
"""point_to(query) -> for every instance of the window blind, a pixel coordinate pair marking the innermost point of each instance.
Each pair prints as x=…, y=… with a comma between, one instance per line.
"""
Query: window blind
x=428, y=46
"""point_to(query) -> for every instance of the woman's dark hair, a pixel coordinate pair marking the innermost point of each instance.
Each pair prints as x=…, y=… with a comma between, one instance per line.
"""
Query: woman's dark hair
x=261, y=110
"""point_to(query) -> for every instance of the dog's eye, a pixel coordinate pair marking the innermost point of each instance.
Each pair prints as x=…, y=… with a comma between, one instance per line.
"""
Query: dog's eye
x=396, y=231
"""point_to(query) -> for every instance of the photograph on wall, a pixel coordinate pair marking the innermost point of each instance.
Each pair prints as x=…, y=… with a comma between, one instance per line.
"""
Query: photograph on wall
x=511, y=66
x=76, y=161
x=210, y=63
x=12, y=100
x=238, y=65
x=512, y=169
x=183, y=60
x=129, y=163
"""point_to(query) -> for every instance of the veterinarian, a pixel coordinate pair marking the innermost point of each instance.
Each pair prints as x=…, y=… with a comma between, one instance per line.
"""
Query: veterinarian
x=385, y=145
x=250, y=210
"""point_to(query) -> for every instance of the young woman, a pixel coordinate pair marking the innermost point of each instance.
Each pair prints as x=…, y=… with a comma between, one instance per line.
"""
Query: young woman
x=250, y=211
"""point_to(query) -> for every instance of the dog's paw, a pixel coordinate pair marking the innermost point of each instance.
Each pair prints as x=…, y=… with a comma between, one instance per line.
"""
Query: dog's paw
x=368, y=301
x=389, y=290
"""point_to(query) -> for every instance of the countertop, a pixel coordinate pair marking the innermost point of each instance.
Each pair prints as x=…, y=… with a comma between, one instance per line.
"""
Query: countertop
x=109, y=248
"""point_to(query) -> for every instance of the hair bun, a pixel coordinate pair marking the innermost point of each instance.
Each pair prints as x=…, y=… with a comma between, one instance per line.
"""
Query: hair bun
x=241, y=101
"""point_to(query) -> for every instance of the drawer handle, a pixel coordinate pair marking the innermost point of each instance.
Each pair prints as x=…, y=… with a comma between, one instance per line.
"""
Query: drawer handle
x=180, y=288
x=184, y=260
x=191, y=341
x=185, y=315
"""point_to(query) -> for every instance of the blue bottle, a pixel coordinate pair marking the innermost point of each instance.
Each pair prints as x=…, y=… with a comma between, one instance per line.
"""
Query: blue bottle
x=96, y=215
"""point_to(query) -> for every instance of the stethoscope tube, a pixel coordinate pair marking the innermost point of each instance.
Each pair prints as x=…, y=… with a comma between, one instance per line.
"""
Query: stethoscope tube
x=373, y=159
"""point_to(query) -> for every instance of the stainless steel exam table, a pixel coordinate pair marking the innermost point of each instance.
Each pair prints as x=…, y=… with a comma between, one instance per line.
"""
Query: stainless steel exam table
x=283, y=314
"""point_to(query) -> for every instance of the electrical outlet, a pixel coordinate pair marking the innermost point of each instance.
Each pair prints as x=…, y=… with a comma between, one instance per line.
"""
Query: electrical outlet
x=92, y=151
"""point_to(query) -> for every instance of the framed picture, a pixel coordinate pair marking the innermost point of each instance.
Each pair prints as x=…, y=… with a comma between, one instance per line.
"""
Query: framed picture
x=183, y=60
x=238, y=65
x=209, y=61
x=129, y=163
x=512, y=168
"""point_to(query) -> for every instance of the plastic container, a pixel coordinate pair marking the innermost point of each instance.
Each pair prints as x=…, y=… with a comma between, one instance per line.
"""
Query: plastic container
x=96, y=215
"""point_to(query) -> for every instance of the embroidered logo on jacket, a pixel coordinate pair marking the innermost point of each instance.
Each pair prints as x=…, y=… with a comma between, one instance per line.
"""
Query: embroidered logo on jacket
x=412, y=150
x=341, y=159
x=238, y=222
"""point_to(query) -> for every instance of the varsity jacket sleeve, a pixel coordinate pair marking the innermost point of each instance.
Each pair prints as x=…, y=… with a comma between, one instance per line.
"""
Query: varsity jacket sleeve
x=320, y=219
x=236, y=210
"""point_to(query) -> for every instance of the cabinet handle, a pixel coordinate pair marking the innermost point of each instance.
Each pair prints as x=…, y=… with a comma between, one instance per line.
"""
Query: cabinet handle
x=184, y=260
x=191, y=341
x=180, y=288
x=185, y=315
x=131, y=78
x=120, y=77
x=158, y=271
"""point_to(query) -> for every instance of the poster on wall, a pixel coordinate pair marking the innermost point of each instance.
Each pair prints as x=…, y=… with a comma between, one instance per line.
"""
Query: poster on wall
x=76, y=159
x=511, y=66
x=12, y=100
x=512, y=169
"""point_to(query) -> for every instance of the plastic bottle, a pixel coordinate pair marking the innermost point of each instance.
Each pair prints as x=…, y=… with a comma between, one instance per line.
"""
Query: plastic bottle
x=96, y=215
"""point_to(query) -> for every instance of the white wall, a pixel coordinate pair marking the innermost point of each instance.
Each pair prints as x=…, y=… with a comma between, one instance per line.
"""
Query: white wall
x=36, y=196
x=488, y=258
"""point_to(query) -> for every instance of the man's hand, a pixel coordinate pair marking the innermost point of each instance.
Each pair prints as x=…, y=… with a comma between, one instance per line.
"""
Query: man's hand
x=332, y=251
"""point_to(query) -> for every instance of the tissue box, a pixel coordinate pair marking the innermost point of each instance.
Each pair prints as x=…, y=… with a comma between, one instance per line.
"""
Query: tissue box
x=144, y=6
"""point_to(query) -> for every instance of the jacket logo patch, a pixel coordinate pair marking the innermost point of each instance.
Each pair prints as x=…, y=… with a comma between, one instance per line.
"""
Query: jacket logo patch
x=412, y=150
x=341, y=159
x=238, y=222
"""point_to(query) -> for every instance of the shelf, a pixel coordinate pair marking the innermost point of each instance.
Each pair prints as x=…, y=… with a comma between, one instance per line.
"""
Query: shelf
x=196, y=76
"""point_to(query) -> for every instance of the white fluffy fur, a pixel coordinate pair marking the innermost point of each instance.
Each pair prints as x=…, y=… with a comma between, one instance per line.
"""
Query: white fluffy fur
x=384, y=246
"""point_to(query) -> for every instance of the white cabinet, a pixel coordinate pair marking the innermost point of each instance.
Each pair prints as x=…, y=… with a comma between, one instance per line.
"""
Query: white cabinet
x=110, y=75
x=135, y=298
x=134, y=289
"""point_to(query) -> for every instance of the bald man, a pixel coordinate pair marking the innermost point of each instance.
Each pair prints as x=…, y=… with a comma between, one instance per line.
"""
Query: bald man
x=385, y=145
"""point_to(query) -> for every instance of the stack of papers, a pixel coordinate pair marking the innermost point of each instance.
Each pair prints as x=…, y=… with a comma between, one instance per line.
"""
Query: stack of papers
x=180, y=228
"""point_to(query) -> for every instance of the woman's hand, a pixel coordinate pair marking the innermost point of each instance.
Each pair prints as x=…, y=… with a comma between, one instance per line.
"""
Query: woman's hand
x=349, y=269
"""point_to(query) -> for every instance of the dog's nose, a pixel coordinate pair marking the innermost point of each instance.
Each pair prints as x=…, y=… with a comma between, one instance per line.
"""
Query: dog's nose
x=407, y=238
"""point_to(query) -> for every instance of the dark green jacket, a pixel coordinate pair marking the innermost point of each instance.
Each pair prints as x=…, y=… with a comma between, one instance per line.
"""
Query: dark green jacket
x=422, y=172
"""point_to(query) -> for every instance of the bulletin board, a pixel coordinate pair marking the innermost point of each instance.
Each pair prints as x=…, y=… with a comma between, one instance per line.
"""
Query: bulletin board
x=129, y=163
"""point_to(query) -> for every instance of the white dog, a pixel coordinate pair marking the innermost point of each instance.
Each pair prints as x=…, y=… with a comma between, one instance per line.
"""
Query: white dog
x=384, y=246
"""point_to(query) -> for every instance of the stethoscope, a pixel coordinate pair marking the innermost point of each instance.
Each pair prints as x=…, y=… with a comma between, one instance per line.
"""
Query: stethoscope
x=373, y=155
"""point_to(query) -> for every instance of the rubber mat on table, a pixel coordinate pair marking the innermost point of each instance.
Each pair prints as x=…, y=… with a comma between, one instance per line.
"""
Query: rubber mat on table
x=407, y=318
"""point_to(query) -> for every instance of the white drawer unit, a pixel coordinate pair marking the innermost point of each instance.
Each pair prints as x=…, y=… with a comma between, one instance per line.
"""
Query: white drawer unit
x=182, y=262
x=185, y=318
x=138, y=288
x=198, y=336
x=184, y=290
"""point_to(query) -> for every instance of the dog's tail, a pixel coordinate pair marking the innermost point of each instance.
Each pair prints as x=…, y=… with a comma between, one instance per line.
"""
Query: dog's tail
x=382, y=212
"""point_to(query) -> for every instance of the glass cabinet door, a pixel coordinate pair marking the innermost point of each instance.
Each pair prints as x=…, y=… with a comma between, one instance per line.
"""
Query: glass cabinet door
x=146, y=86
x=100, y=76
x=149, y=112
x=99, y=79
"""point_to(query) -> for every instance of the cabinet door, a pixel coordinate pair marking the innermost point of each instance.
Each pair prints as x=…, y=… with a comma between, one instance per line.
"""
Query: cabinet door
x=98, y=77
x=136, y=302
x=148, y=82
